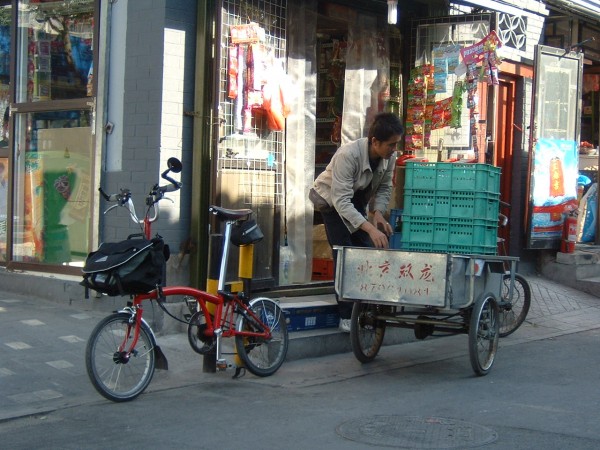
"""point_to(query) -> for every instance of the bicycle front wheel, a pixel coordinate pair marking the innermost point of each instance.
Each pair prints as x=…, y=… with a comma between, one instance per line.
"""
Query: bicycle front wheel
x=118, y=375
x=262, y=356
x=513, y=311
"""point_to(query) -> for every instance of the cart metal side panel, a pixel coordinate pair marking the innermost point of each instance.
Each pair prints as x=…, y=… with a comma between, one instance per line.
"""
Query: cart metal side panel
x=392, y=276
x=437, y=280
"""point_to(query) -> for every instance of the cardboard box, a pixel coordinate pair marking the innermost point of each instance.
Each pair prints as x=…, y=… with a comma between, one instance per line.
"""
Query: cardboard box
x=321, y=247
x=316, y=315
x=399, y=180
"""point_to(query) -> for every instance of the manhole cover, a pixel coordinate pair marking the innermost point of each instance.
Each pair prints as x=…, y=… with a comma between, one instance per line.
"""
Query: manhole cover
x=416, y=432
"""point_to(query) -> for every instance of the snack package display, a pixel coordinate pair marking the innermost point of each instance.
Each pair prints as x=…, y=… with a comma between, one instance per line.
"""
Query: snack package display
x=436, y=92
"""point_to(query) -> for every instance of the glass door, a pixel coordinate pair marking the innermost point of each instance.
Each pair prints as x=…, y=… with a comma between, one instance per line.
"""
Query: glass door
x=554, y=158
x=5, y=84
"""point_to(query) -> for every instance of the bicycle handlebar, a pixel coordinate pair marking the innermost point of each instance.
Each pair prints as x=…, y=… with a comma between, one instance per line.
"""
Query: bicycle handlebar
x=154, y=196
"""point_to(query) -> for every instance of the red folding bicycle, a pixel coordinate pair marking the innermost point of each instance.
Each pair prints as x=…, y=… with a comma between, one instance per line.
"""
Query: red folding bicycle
x=122, y=352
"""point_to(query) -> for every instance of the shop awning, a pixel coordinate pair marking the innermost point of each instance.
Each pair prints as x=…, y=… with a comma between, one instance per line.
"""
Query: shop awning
x=586, y=8
x=534, y=9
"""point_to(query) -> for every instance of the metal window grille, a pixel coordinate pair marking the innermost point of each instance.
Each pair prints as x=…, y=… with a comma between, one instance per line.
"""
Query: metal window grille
x=246, y=144
x=513, y=31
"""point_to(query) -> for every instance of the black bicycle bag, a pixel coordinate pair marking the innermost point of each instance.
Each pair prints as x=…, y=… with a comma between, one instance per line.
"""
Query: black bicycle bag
x=129, y=267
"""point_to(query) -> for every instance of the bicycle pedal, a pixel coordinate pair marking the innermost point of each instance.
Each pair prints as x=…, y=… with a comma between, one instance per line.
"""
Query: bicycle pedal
x=221, y=364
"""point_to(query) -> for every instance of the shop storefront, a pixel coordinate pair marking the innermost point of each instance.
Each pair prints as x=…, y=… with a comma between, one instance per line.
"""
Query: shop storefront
x=278, y=88
x=461, y=82
x=47, y=99
x=296, y=80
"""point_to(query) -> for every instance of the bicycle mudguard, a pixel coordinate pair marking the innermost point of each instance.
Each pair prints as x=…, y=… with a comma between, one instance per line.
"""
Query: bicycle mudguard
x=160, y=360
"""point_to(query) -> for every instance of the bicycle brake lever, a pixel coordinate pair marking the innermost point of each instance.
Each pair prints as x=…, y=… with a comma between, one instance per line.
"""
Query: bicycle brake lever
x=111, y=207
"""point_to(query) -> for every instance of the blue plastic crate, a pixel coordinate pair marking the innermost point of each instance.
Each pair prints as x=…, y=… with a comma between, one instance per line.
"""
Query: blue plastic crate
x=396, y=241
x=396, y=219
x=300, y=317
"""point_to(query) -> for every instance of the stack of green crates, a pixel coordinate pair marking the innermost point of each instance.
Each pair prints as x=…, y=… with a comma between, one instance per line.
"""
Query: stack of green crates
x=450, y=208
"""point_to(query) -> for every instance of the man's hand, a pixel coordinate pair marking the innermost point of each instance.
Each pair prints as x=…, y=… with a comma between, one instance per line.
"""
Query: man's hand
x=381, y=224
x=378, y=229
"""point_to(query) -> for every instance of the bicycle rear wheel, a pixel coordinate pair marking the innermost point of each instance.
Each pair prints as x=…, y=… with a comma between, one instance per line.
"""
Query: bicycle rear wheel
x=513, y=311
x=366, y=332
x=261, y=356
x=117, y=375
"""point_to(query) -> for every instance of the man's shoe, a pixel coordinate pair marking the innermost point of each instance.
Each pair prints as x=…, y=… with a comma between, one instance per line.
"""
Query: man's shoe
x=345, y=325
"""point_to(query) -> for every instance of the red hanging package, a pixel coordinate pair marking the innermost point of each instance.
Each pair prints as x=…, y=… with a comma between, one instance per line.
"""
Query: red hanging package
x=276, y=98
x=232, y=72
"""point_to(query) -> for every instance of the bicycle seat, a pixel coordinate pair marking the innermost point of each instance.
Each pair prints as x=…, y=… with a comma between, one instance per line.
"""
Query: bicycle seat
x=230, y=214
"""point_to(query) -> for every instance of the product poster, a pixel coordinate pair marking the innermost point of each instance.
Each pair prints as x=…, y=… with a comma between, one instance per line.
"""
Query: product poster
x=554, y=187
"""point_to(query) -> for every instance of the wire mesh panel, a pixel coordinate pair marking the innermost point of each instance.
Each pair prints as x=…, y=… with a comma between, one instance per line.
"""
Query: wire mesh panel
x=252, y=72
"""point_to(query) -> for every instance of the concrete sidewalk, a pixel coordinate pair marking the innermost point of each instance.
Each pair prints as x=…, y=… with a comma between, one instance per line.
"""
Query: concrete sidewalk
x=42, y=347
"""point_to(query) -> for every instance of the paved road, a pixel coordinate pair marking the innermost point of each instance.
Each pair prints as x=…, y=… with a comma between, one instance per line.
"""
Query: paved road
x=42, y=346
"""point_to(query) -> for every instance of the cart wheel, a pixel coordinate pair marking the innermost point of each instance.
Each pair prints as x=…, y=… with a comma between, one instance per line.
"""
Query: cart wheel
x=513, y=311
x=366, y=332
x=484, y=334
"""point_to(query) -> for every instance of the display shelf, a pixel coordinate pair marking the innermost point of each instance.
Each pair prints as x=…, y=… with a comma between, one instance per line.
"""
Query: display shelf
x=590, y=118
x=588, y=161
x=331, y=67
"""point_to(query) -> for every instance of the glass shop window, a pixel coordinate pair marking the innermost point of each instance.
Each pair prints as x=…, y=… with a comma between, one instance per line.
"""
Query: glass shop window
x=53, y=178
x=55, y=50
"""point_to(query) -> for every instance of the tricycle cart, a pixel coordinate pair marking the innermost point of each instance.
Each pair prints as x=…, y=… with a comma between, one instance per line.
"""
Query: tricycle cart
x=427, y=292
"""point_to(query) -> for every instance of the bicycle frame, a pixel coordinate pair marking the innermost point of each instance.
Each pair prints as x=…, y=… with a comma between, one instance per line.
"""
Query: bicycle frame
x=221, y=326
x=226, y=305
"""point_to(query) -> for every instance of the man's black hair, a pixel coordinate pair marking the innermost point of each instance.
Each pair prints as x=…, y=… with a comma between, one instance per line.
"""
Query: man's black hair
x=384, y=126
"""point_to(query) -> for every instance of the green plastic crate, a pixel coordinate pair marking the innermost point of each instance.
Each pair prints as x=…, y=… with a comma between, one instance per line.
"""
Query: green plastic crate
x=469, y=204
x=449, y=235
x=474, y=205
x=423, y=247
x=427, y=202
x=423, y=229
x=452, y=176
x=473, y=232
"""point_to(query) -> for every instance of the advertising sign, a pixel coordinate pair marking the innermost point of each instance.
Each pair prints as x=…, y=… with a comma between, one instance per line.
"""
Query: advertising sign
x=554, y=187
